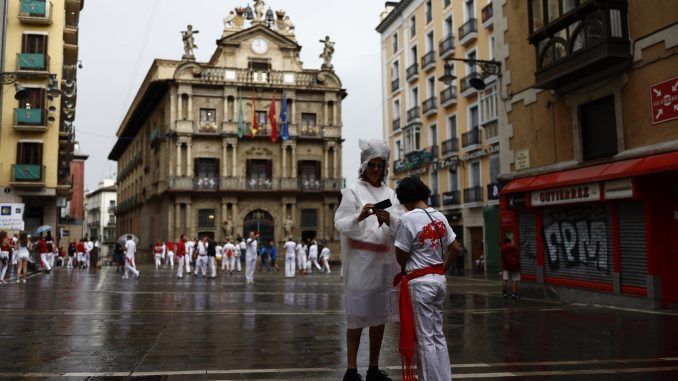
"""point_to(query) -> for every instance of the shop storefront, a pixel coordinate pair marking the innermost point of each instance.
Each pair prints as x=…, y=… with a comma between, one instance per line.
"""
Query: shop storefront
x=610, y=228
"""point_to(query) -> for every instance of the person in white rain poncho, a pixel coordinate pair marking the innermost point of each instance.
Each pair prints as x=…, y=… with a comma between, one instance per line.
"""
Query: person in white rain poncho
x=368, y=255
x=290, y=247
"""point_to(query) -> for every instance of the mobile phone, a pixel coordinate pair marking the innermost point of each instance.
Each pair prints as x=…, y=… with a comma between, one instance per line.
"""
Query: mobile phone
x=382, y=205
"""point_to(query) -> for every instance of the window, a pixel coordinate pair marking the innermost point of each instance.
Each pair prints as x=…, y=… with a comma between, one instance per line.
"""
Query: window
x=598, y=128
x=34, y=99
x=429, y=12
x=34, y=43
x=208, y=120
x=413, y=26
x=433, y=182
x=262, y=119
x=412, y=136
x=431, y=87
x=430, y=42
x=395, y=72
x=537, y=15
x=470, y=9
x=309, y=170
x=396, y=109
x=471, y=56
x=494, y=168
x=397, y=150
x=29, y=153
x=473, y=118
x=453, y=180
x=206, y=218
x=415, y=55
x=394, y=41
x=259, y=169
x=448, y=27
x=491, y=47
x=415, y=96
x=488, y=104
x=474, y=174
x=207, y=168
x=446, y=3
x=433, y=135
x=451, y=126
x=309, y=218
x=308, y=124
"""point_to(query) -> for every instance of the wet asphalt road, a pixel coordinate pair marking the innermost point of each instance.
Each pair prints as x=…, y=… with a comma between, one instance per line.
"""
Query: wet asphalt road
x=93, y=325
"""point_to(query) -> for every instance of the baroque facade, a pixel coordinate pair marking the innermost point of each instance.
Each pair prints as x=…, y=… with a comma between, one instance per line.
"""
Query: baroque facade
x=446, y=134
x=189, y=163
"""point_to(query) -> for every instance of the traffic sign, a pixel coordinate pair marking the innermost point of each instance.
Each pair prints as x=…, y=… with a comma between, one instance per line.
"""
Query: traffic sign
x=664, y=96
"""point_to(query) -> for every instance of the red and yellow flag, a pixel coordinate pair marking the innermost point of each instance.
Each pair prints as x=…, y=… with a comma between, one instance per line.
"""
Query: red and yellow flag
x=255, y=127
x=272, y=118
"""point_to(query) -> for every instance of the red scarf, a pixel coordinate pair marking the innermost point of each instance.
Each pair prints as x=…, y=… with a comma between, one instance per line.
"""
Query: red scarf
x=407, y=333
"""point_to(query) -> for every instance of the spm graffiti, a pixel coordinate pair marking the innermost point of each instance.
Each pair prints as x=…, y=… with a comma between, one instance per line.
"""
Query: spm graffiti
x=577, y=243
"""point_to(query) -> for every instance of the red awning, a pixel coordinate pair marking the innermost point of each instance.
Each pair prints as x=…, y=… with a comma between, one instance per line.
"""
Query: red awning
x=627, y=168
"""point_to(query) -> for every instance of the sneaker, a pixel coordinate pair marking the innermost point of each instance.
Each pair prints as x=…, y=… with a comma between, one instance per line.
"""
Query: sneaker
x=352, y=377
x=23, y=281
x=377, y=375
x=515, y=296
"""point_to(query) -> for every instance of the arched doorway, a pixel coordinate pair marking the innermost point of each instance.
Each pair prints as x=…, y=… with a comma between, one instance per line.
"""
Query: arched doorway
x=259, y=221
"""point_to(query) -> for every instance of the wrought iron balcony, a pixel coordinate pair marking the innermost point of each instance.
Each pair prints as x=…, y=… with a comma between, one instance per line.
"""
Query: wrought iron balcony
x=396, y=124
x=28, y=174
x=428, y=61
x=259, y=183
x=451, y=198
x=470, y=138
x=207, y=183
x=450, y=146
x=465, y=84
x=430, y=106
x=210, y=128
x=35, y=12
x=486, y=15
x=310, y=185
x=395, y=85
x=473, y=194
x=412, y=72
x=468, y=31
x=582, y=46
x=32, y=62
x=446, y=46
x=448, y=96
x=413, y=114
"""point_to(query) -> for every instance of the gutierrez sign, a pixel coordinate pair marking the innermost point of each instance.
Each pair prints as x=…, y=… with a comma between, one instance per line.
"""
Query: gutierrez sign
x=566, y=195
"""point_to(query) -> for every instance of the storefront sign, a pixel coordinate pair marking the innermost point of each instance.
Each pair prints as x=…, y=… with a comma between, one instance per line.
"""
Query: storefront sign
x=522, y=159
x=617, y=189
x=664, y=96
x=566, y=195
x=12, y=217
x=450, y=162
x=493, y=191
x=481, y=152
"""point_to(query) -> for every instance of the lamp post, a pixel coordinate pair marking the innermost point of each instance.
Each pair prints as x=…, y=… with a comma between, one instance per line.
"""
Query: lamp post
x=487, y=67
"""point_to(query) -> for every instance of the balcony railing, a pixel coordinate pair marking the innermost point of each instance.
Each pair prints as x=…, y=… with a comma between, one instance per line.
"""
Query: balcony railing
x=470, y=138
x=413, y=114
x=465, y=84
x=486, y=15
x=446, y=46
x=310, y=185
x=35, y=12
x=30, y=119
x=213, y=183
x=270, y=77
x=434, y=201
x=395, y=85
x=396, y=124
x=207, y=183
x=28, y=173
x=210, y=128
x=468, y=31
x=430, y=106
x=412, y=72
x=428, y=61
x=448, y=96
x=32, y=61
x=450, y=146
x=72, y=20
x=451, y=198
x=416, y=159
x=473, y=194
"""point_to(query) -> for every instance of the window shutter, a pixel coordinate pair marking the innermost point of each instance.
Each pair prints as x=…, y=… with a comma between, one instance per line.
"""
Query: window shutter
x=24, y=43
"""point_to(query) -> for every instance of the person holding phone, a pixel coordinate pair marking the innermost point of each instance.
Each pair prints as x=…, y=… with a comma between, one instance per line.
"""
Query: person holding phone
x=368, y=255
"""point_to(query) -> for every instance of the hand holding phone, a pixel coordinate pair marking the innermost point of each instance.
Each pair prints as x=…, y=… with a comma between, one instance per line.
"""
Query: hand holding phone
x=385, y=204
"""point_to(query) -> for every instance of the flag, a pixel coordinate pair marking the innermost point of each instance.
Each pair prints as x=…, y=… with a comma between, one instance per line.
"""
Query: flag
x=255, y=127
x=283, y=118
x=272, y=119
x=241, y=123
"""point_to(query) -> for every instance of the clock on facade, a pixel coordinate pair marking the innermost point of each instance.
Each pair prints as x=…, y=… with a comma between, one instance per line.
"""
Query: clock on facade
x=259, y=46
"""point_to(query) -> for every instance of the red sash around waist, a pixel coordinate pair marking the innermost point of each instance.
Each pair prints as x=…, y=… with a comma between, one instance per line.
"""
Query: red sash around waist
x=367, y=246
x=407, y=333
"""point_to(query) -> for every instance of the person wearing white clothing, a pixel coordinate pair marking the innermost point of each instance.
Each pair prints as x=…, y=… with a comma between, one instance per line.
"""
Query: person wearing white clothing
x=290, y=248
x=190, y=249
x=170, y=254
x=325, y=256
x=164, y=253
x=5, y=245
x=301, y=257
x=157, y=254
x=228, y=257
x=201, y=262
x=89, y=246
x=251, y=258
x=313, y=257
x=130, y=251
x=240, y=250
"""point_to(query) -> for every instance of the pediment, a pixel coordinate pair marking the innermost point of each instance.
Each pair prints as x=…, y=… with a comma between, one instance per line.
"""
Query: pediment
x=240, y=40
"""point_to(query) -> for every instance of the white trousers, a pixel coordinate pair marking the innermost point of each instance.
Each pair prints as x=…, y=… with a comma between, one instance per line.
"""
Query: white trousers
x=130, y=265
x=44, y=259
x=326, y=265
x=237, y=265
x=227, y=263
x=201, y=265
x=312, y=261
x=85, y=258
x=250, y=264
x=428, y=296
x=180, y=267
x=187, y=262
x=289, y=266
x=158, y=261
x=70, y=262
x=170, y=258
x=3, y=267
x=301, y=261
x=79, y=256
x=50, y=259
x=213, y=266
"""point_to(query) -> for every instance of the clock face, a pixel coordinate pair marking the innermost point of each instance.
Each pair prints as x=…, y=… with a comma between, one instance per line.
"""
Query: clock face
x=259, y=46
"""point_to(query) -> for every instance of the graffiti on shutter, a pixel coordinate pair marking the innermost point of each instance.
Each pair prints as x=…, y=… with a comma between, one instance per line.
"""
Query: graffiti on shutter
x=528, y=242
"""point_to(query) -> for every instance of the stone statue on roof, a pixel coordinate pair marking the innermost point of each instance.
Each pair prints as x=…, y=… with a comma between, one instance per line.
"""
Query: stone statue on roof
x=328, y=52
x=259, y=10
x=189, y=42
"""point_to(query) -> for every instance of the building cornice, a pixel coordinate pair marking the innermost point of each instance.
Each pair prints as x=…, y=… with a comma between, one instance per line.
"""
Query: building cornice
x=393, y=15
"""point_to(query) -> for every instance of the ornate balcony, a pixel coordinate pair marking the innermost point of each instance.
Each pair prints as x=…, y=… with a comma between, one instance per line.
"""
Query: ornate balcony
x=395, y=85
x=468, y=32
x=208, y=183
x=412, y=72
x=28, y=175
x=446, y=46
x=430, y=106
x=487, y=16
x=449, y=147
x=428, y=61
x=416, y=159
x=451, y=198
x=471, y=139
x=448, y=96
x=32, y=12
x=473, y=194
x=310, y=185
x=582, y=46
x=413, y=114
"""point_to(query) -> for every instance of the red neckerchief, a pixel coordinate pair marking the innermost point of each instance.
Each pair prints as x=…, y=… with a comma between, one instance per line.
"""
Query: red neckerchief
x=407, y=333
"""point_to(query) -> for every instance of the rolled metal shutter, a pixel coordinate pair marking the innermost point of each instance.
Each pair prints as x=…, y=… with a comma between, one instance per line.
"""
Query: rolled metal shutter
x=632, y=244
x=562, y=224
x=527, y=242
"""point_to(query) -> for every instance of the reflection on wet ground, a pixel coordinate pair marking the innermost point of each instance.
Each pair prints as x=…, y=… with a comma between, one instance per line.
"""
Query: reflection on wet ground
x=75, y=324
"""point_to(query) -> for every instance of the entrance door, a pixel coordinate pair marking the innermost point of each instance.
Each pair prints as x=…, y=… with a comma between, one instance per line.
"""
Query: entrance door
x=259, y=221
x=477, y=244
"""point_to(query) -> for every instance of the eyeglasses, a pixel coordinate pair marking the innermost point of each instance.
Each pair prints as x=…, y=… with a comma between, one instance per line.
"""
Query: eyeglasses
x=376, y=165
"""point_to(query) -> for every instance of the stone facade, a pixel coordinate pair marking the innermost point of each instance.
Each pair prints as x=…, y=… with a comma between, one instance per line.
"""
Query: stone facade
x=182, y=167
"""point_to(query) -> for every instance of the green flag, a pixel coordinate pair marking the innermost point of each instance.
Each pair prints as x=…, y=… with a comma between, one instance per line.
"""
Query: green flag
x=241, y=123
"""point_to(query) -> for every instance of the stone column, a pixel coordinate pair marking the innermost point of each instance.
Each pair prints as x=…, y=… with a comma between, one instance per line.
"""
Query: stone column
x=325, y=174
x=325, y=113
x=335, y=166
x=180, y=109
x=173, y=109
x=190, y=107
x=224, y=152
x=284, y=161
x=294, y=161
x=235, y=159
x=236, y=219
x=224, y=216
x=321, y=231
x=294, y=113
x=189, y=159
x=188, y=227
x=177, y=218
x=179, y=159
x=334, y=113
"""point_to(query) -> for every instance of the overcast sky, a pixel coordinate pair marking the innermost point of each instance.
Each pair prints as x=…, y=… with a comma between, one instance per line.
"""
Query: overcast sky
x=120, y=38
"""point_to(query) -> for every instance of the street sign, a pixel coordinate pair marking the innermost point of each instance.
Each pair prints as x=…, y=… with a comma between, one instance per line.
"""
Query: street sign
x=664, y=96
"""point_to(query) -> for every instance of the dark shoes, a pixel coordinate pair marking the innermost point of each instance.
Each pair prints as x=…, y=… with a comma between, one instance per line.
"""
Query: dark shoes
x=377, y=375
x=352, y=376
x=515, y=296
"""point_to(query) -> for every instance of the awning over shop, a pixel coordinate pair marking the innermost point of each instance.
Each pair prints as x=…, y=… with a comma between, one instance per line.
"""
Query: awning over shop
x=627, y=168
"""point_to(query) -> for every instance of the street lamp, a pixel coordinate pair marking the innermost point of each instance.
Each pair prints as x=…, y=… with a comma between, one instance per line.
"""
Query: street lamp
x=487, y=67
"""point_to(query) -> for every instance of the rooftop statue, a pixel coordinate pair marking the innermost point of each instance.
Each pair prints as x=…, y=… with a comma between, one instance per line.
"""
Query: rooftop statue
x=189, y=42
x=259, y=10
x=328, y=52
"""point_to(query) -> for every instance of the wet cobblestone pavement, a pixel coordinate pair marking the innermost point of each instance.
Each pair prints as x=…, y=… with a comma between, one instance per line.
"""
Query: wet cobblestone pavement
x=93, y=325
